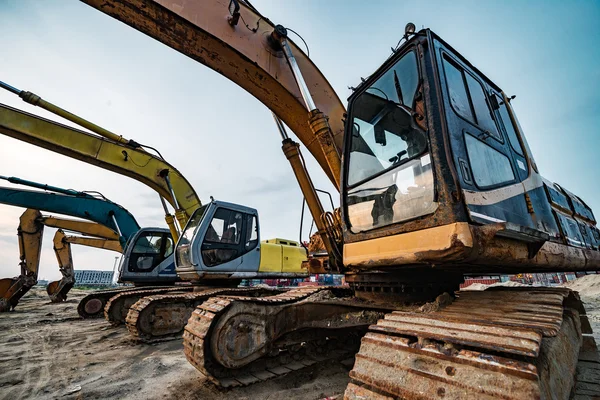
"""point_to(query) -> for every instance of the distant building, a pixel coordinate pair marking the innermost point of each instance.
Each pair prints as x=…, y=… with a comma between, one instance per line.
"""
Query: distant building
x=91, y=277
x=42, y=282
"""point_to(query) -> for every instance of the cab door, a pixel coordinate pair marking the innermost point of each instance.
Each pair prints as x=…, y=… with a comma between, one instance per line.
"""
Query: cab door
x=483, y=155
x=221, y=247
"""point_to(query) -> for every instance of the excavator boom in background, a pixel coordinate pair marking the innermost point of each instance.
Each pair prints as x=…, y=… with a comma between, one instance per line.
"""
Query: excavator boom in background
x=436, y=180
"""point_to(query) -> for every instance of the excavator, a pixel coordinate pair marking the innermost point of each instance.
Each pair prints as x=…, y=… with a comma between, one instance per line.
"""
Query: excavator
x=113, y=223
x=235, y=251
x=436, y=181
x=30, y=233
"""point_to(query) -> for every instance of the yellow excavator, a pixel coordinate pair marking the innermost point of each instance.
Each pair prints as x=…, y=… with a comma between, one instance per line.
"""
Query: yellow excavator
x=30, y=233
x=234, y=250
x=436, y=180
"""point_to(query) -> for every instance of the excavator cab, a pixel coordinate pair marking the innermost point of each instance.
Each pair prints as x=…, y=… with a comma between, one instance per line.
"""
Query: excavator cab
x=222, y=240
x=149, y=257
x=436, y=160
x=226, y=236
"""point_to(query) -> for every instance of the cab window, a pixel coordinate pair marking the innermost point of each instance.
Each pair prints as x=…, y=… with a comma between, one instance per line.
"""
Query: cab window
x=225, y=227
x=508, y=126
x=150, y=250
x=251, y=232
x=389, y=175
x=489, y=166
x=469, y=100
x=223, y=238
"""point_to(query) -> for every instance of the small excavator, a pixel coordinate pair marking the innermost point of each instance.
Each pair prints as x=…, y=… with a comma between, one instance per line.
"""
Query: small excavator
x=234, y=250
x=436, y=180
x=113, y=223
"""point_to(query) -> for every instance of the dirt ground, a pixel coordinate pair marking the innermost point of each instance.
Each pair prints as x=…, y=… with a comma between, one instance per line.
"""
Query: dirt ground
x=48, y=352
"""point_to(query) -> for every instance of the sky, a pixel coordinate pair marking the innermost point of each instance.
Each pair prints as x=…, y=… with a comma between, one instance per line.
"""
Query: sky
x=224, y=141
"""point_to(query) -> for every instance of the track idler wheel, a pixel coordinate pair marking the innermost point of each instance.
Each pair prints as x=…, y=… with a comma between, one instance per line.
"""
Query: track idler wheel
x=94, y=306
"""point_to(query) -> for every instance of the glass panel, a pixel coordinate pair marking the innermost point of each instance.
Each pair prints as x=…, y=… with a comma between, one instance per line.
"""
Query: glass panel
x=148, y=244
x=225, y=227
x=508, y=126
x=168, y=245
x=399, y=84
x=190, y=228
x=251, y=232
x=401, y=194
x=384, y=134
x=482, y=109
x=489, y=166
x=215, y=257
x=457, y=91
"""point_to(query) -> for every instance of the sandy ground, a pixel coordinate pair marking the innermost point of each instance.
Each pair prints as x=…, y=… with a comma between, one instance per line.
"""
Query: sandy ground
x=589, y=291
x=48, y=352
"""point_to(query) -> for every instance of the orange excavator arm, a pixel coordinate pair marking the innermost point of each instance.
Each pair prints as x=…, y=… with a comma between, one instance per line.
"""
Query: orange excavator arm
x=103, y=238
x=62, y=249
x=30, y=233
x=252, y=58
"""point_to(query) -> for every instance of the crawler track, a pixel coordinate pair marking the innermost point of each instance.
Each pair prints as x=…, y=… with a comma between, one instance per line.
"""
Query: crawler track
x=492, y=344
x=163, y=317
x=117, y=307
x=92, y=305
x=217, y=330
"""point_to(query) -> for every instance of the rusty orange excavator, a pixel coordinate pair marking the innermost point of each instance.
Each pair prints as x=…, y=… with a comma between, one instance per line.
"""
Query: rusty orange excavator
x=436, y=180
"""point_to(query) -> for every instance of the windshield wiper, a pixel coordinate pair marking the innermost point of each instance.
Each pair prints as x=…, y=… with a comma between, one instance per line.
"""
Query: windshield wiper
x=398, y=88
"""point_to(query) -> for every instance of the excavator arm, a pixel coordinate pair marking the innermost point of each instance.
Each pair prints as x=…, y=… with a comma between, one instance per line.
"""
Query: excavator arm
x=104, y=238
x=58, y=290
x=258, y=56
x=84, y=227
x=254, y=57
x=30, y=233
x=127, y=158
x=97, y=243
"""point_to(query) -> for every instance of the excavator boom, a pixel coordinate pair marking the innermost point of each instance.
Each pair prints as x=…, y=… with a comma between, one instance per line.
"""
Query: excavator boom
x=136, y=163
x=248, y=57
x=84, y=227
x=111, y=217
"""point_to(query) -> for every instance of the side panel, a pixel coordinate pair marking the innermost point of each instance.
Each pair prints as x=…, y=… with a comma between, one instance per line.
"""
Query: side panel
x=293, y=257
x=270, y=257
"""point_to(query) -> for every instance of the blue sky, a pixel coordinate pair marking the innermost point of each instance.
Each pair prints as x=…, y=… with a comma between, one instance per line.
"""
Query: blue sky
x=547, y=53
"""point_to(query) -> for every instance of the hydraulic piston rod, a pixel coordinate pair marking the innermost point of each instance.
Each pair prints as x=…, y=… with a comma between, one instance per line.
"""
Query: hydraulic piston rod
x=317, y=120
x=50, y=188
x=36, y=100
x=170, y=220
x=291, y=150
